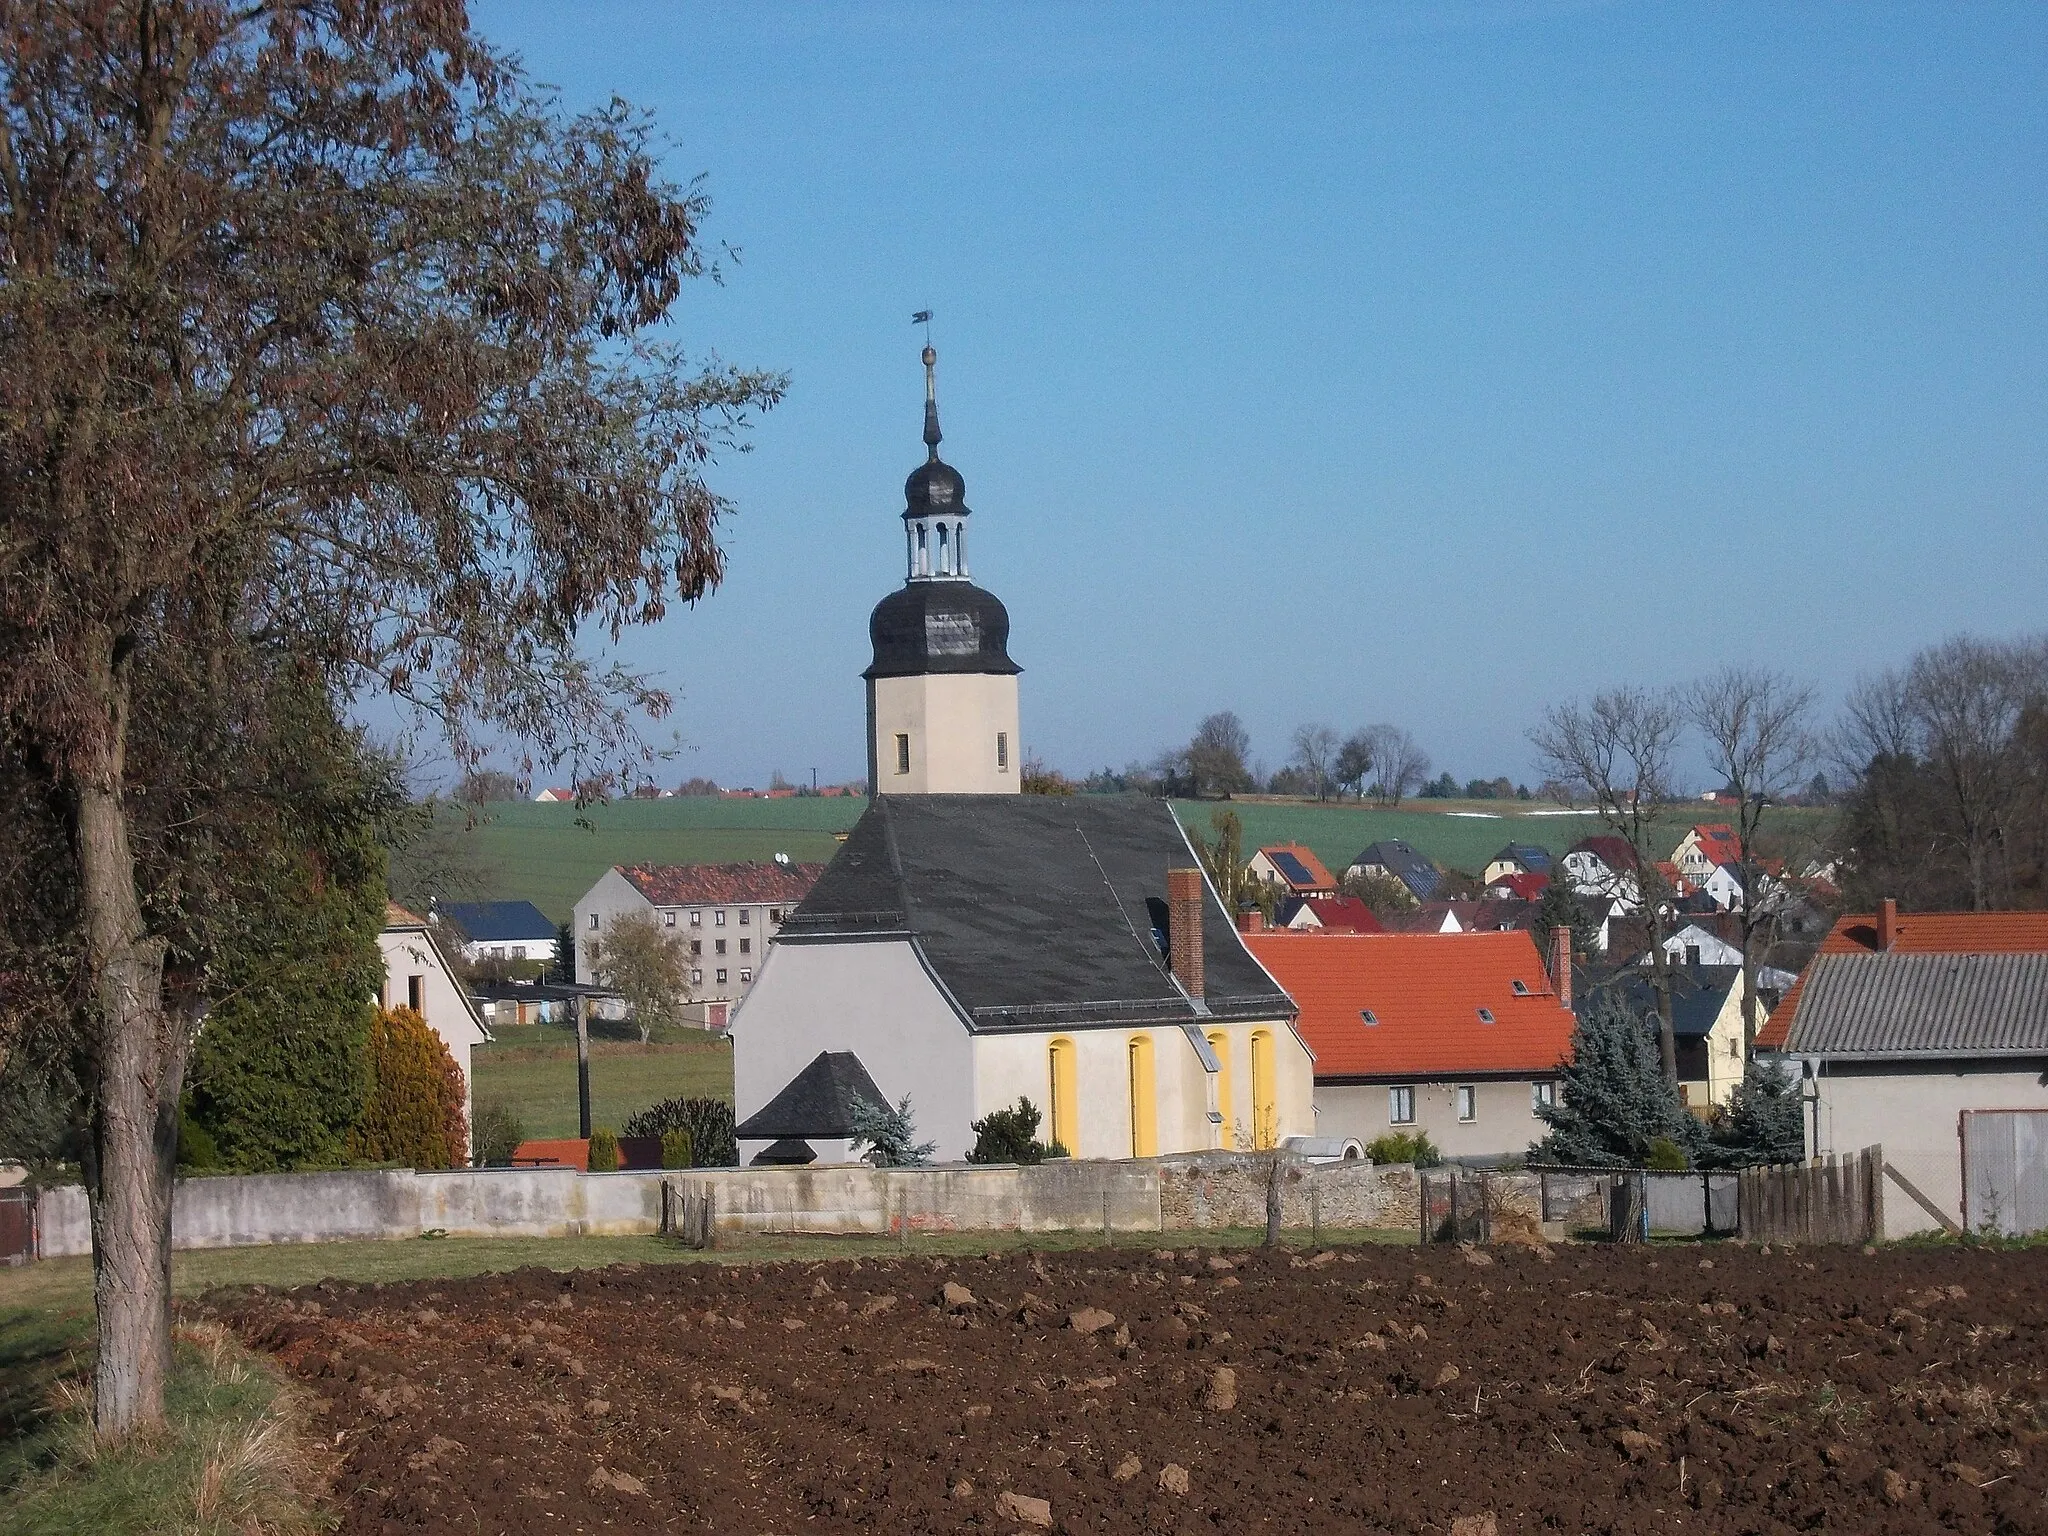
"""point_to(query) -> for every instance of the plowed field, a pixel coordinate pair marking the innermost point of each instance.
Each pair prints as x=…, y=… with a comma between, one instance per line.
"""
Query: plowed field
x=1377, y=1390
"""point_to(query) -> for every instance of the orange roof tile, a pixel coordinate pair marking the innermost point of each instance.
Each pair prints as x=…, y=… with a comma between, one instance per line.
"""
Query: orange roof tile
x=1425, y=990
x=1916, y=933
x=1319, y=876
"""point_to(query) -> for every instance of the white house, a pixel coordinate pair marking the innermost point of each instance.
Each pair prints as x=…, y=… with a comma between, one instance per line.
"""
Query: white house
x=724, y=913
x=1603, y=866
x=1705, y=848
x=494, y=930
x=969, y=950
x=1694, y=945
x=417, y=975
x=1927, y=1033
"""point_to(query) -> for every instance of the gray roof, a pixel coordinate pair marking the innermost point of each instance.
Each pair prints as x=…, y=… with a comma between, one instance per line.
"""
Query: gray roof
x=818, y=1101
x=1698, y=993
x=1403, y=863
x=1895, y=1004
x=1033, y=911
x=494, y=922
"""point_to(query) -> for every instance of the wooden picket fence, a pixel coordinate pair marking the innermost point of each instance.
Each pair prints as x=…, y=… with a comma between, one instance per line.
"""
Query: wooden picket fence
x=1829, y=1200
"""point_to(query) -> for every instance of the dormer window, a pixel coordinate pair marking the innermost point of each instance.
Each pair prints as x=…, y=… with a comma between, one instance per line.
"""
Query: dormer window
x=1521, y=988
x=1486, y=1015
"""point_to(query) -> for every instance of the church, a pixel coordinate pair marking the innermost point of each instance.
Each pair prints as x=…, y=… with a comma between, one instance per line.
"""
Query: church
x=971, y=945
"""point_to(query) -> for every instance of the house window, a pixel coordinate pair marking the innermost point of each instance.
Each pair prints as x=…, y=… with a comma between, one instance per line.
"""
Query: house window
x=1521, y=988
x=668, y=919
x=696, y=978
x=1367, y=1017
x=1002, y=751
x=719, y=920
x=746, y=916
x=1400, y=1106
x=746, y=975
x=718, y=945
x=1144, y=1099
x=696, y=947
x=1468, y=1103
x=721, y=975
x=1265, y=1095
x=1063, y=1074
x=746, y=946
x=775, y=914
x=1542, y=1095
x=696, y=919
x=416, y=993
x=497, y=951
x=593, y=922
x=902, y=752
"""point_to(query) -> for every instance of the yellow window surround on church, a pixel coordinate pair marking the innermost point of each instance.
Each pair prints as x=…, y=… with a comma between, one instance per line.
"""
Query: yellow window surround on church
x=1062, y=1071
x=1144, y=1099
x=1265, y=1095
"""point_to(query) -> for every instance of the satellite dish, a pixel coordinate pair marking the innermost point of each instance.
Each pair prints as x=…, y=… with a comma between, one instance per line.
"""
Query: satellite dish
x=782, y=859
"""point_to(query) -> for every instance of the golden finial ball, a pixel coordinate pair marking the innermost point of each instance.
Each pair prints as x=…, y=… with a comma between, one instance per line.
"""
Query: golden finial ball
x=930, y=357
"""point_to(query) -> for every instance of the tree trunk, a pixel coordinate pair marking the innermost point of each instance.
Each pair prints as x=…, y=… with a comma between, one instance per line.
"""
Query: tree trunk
x=1660, y=980
x=1276, y=1172
x=139, y=1074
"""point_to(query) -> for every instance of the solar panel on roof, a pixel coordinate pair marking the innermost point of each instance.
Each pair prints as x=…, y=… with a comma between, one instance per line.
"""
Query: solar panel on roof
x=1291, y=867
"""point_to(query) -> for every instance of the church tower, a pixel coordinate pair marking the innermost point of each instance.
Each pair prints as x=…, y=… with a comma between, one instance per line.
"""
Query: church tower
x=942, y=692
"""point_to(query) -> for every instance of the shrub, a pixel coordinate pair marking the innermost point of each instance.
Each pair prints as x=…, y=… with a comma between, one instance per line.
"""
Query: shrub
x=1008, y=1136
x=889, y=1134
x=676, y=1149
x=1666, y=1156
x=498, y=1133
x=1614, y=1102
x=709, y=1122
x=1405, y=1147
x=195, y=1147
x=413, y=1115
x=604, y=1151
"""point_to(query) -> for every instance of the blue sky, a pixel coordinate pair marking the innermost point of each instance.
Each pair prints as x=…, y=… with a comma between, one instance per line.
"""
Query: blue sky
x=1380, y=361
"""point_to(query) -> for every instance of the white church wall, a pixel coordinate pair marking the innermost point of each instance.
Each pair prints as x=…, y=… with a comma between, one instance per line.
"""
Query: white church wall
x=871, y=998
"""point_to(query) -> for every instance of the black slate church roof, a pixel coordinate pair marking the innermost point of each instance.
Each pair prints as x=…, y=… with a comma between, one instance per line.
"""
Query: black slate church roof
x=1033, y=911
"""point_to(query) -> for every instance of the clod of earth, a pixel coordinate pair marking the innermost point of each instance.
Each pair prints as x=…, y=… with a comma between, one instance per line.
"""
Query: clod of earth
x=1222, y=1394
x=1089, y=1320
x=1173, y=1478
x=1019, y=1506
x=955, y=1297
x=1476, y=1525
x=1127, y=1469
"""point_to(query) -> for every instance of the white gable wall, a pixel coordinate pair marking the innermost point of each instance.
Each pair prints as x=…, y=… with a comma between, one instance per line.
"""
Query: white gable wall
x=613, y=896
x=410, y=955
x=875, y=999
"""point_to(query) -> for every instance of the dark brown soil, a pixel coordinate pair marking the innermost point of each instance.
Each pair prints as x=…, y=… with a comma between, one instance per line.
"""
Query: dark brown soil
x=1376, y=1390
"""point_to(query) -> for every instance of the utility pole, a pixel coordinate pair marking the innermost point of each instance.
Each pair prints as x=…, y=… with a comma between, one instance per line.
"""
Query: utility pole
x=583, y=1063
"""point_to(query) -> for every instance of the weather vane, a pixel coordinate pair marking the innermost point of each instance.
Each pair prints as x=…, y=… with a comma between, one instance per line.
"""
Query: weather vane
x=931, y=384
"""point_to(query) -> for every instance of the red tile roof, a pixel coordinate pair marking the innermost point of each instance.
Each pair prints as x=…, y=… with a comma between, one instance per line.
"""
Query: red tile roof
x=726, y=885
x=1425, y=990
x=1344, y=914
x=1916, y=933
x=1717, y=841
x=1526, y=884
x=568, y=1153
x=1319, y=877
x=1617, y=853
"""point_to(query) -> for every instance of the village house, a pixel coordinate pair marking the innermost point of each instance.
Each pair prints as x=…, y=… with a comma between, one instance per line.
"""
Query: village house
x=724, y=913
x=494, y=930
x=418, y=975
x=1394, y=859
x=1457, y=1035
x=1914, y=1031
x=1517, y=859
x=1293, y=869
x=1339, y=914
x=1704, y=849
x=1604, y=865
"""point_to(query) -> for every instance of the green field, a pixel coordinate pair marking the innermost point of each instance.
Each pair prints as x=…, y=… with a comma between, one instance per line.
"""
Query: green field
x=552, y=854
x=538, y=1082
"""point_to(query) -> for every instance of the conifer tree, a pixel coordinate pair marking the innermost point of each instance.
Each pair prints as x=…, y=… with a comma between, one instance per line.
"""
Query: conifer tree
x=1614, y=1101
x=1764, y=1121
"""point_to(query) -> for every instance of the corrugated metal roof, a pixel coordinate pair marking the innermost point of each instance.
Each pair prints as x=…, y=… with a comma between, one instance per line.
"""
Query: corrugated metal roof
x=1895, y=1004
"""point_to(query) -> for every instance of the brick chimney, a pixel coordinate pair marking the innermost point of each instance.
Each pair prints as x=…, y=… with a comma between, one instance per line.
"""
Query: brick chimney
x=1887, y=922
x=1184, y=927
x=1561, y=963
x=1251, y=921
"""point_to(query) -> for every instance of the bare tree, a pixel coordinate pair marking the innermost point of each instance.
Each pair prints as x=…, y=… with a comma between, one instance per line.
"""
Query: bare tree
x=482, y=785
x=1315, y=754
x=1399, y=765
x=1755, y=724
x=1967, y=699
x=647, y=966
x=1616, y=752
x=1215, y=758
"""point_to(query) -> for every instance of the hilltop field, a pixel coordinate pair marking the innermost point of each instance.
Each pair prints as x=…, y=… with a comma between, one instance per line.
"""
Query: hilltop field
x=551, y=854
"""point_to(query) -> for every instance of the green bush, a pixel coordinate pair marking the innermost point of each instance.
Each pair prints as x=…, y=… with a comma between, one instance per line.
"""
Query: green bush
x=709, y=1122
x=1667, y=1156
x=676, y=1150
x=1405, y=1147
x=497, y=1134
x=1008, y=1136
x=196, y=1150
x=414, y=1114
x=604, y=1151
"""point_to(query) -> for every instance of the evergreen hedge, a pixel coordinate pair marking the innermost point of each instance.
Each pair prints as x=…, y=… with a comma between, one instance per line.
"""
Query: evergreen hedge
x=709, y=1123
x=413, y=1114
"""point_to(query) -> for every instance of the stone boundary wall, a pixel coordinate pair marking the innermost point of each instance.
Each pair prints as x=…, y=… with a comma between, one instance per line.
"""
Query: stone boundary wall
x=1196, y=1192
